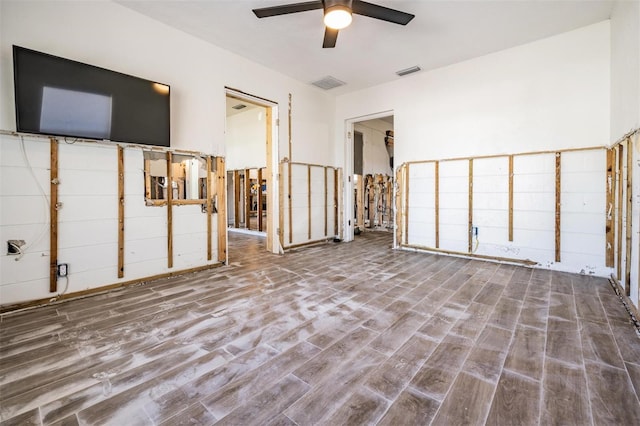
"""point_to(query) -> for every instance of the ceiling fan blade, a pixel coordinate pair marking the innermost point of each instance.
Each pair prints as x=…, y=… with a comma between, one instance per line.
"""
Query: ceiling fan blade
x=284, y=9
x=381, y=12
x=330, y=38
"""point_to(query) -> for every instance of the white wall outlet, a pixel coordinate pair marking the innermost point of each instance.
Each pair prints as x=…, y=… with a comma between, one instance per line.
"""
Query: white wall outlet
x=63, y=269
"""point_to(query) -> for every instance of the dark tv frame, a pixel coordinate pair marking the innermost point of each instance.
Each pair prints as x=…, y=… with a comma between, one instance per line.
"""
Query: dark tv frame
x=139, y=109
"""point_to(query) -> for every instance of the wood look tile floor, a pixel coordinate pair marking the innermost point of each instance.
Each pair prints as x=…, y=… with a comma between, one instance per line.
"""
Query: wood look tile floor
x=327, y=335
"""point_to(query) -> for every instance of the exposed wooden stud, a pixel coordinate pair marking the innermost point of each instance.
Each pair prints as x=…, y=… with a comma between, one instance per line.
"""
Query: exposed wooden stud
x=221, y=196
x=437, y=201
x=289, y=129
x=290, y=204
x=405, y=217
x=53, y=215
x=247, y=198
x=169, y=212
x=309, y=201
x=209, y=205
x=269, y=176
x=360, y=201
x=335, y=202
x=558, y=193
x=326, y=202
x=629, y=198
x=511, y=198
x=120, y=212
x=470, y=210
x=236, y=198
x=620, y=173
x=281, y=203
x=609, y=207
x=259, y=193
x=147, y=180
x=398, y=201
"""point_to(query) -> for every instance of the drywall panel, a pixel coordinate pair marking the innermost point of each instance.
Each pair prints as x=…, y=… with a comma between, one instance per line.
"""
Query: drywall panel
x=454, y=205
x=491, y=206
x=422, y=207
x=583, y=205
x=318, y=206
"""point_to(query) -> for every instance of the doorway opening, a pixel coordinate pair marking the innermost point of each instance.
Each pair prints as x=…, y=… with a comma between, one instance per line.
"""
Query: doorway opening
x=369, y=164
x=251, y=162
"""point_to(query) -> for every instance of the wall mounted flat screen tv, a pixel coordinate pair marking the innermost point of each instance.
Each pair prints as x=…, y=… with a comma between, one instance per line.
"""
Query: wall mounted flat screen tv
x=61, y=97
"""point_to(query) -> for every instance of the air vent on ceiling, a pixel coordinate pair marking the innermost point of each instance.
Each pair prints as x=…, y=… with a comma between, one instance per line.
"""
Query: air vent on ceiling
x=239, y=106
x=408, y=71
x=328, y=82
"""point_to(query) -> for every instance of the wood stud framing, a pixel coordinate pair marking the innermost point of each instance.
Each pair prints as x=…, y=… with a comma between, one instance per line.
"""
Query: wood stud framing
x=558, y=193
x=247, y=199
x=221, y=195
x=53, y=214
x=281, y=204
x=236, y=192
x=609, y=207
x=620, y=173
x=121, y=212
x=619, y=187
x=259, y=194
x=326, y=203
x=169, y=213
x=628, y=234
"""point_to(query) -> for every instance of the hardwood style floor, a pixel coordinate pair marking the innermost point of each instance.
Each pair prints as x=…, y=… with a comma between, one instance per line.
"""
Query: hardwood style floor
x=328, y=335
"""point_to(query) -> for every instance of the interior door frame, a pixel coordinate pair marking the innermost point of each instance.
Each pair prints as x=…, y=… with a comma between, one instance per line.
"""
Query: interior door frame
x=271, y=173
x=348, y=187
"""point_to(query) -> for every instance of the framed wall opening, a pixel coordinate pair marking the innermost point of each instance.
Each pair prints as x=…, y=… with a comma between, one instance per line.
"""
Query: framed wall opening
x=369, y=175
x=252, y=165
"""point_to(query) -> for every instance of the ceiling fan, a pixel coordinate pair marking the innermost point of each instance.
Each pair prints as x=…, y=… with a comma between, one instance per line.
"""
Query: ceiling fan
x=338, y=14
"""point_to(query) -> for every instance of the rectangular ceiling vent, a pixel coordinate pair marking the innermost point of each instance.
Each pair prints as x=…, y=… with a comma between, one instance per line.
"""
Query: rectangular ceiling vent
x=328, y=82
x=239, y=106
x=406, y=71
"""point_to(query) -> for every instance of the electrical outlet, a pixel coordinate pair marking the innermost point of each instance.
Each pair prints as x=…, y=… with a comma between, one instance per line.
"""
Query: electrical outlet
x=63, y=269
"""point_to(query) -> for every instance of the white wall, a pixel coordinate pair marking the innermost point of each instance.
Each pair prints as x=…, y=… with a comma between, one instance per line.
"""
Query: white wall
x=625, y=68
x=375, y=158
x=246, y=140
x=109, y=35
x=549, y=94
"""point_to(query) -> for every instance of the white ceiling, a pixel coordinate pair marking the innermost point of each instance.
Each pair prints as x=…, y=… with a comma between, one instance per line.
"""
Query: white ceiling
x=369, y=52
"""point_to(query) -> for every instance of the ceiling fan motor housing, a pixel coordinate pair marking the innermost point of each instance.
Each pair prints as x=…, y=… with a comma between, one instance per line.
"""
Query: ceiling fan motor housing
x=329, y=4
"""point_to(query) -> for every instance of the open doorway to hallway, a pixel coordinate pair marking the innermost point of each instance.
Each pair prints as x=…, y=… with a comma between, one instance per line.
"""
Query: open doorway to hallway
x=250, y=124
x=373, y=176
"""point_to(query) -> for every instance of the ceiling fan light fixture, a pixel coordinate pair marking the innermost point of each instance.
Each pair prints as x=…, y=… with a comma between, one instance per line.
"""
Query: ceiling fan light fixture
x=337, y=17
